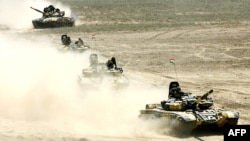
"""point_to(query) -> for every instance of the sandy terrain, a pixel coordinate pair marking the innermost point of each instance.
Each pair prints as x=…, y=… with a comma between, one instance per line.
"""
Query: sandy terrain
x=41, y=101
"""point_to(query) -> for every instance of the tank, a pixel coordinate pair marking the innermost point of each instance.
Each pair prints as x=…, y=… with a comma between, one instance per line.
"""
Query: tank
x=103, y=74
x=77, y=46
x=184, y=113
x=51, y=18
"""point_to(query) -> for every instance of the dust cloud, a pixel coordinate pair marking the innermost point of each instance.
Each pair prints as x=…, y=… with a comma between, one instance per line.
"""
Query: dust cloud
x=16, y=14
x=39, y=87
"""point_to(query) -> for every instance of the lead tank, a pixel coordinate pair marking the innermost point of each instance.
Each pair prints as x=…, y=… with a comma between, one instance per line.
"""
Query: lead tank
x=52, y=17
x=105, y=74
x=184, y=112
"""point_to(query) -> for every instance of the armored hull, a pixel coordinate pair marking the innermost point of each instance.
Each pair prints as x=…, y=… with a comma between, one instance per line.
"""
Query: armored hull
x=53, y=22
x=184, y=122
x=73, y=48
x=99, y=75
x=105, y=78
x=77, y=46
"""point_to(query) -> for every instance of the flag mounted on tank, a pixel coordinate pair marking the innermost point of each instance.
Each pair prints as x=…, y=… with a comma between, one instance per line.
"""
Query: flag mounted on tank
x=171, y=61
x=93, y=36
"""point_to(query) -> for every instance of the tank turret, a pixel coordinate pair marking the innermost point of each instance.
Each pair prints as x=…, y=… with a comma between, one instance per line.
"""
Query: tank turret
x=52, y=17
x=103, y=73
x=75, y=46
x=203, y=102
x=181, y=101
x=50, y=11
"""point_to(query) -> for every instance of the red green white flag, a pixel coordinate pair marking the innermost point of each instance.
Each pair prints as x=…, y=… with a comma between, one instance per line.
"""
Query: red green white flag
x=171, y=61
x=93, y=36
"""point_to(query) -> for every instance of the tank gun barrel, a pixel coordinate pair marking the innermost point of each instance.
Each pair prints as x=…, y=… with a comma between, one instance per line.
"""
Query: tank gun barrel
x=37, y=10
x=204, y=96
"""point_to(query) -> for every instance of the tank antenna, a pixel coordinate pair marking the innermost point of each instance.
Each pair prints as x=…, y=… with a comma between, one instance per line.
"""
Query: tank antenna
x=172, y=61
x=93, y=37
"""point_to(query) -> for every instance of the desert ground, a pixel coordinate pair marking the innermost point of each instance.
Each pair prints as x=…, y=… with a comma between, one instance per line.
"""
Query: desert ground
x=40, y=99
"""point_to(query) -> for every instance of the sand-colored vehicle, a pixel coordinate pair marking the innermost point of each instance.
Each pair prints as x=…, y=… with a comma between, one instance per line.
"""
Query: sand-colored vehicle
x=103, y=74
x=52, y=17
x=184, y=112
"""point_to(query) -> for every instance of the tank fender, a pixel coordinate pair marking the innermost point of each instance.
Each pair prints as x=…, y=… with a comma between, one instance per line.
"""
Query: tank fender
x=188, y=117
x=184, y=116
x=229, y=114
x=225, y=116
